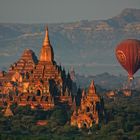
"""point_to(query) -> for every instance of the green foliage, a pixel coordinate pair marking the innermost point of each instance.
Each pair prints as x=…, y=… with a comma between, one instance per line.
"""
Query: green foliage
x=59, y=116
x=23, y=110
x=123, y=114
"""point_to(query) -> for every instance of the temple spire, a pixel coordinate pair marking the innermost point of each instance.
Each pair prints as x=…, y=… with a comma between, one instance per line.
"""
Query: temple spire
x=92, y=89
x=83, y=93
x=46, y=54
x=46, y=39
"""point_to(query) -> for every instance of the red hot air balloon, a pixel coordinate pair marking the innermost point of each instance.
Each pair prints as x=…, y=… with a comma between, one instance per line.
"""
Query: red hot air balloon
x=128, y=55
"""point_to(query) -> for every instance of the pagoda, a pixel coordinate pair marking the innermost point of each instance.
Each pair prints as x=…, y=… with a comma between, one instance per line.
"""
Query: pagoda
x=47, y=70
x=88, y=112
x=37, y=82
x=8, y=112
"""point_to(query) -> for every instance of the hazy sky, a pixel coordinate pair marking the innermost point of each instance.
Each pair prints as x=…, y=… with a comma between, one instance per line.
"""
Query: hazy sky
x=38, y=11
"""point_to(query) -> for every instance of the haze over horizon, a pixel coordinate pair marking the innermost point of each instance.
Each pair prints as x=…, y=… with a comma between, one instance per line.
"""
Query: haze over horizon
x=55, y=11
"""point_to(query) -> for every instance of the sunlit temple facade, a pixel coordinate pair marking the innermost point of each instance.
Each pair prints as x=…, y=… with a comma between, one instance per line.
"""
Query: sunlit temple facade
x=90, y=109
x=38, y=83
x=42, y=84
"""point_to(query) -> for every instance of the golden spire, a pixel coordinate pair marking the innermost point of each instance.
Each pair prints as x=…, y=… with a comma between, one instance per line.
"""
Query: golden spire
x=91, y=88
x=92, y=84
x=47, y=54
x=83, y=93
x=46, y=42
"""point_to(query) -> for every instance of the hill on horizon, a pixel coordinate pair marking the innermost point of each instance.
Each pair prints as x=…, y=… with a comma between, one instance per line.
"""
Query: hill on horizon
x=88, y=46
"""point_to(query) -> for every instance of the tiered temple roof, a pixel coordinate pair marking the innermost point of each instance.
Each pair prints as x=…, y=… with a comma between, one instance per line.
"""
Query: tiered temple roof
x=26, y=63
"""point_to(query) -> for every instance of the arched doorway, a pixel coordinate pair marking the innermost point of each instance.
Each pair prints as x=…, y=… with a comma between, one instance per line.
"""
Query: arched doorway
x=85, y=124
x=38, y=93
x=87, y=109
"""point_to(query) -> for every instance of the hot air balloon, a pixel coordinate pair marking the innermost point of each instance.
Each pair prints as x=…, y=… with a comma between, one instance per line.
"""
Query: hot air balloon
x=128, y=55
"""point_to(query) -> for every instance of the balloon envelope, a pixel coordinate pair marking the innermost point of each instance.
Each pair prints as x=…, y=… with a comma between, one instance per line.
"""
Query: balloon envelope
x=128, y=55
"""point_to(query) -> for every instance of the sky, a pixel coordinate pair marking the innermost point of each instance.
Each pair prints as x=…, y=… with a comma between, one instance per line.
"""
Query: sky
x=54, y=11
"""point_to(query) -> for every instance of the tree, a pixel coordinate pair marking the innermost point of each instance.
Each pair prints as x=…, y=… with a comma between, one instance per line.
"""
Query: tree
x=59, y=116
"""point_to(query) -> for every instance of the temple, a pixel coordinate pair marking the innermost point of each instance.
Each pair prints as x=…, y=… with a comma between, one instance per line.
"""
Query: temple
x=42, y=84
x=89, y=111
x=38, y=83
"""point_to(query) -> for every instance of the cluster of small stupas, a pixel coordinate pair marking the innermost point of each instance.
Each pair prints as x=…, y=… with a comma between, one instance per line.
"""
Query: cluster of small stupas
x=42, y=84
x=88, y=113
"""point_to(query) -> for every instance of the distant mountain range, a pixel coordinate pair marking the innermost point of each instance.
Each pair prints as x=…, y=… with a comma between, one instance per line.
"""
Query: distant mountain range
x=88, y=46
x=106, y=81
